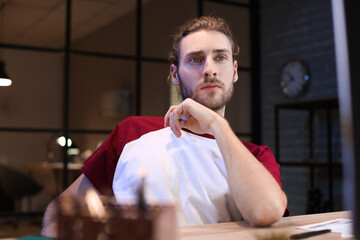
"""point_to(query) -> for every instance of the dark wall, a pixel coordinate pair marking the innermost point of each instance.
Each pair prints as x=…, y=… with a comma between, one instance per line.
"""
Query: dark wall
x=299, y=30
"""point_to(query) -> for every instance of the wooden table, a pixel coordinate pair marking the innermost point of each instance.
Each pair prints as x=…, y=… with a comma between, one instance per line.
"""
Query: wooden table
x=56, y=169
x=49, y=167
x=241, y=230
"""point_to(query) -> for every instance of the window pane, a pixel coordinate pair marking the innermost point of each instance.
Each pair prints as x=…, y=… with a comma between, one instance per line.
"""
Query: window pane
x=239, y=21
x=102, y=91
x=36, y=22
x=87, y=144
x=104, y=26
x=155, y=91
x=35, y=150
x=35, y=97
x=160, y=19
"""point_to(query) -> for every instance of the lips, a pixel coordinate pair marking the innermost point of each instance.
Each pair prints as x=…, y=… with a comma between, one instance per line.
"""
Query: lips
x=210, y=87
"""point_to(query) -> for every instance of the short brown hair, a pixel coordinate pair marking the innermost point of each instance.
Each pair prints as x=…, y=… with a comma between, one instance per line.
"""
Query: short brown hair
x=208, y=23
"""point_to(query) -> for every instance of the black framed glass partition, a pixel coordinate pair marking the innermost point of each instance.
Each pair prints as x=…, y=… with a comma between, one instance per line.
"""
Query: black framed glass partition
x=73, y=62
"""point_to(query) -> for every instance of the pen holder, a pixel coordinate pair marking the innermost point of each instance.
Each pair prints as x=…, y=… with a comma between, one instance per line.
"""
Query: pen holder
x=119, y=222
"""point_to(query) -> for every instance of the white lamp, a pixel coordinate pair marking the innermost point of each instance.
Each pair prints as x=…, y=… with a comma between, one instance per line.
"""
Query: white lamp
x=4, y=78
x=5, y=81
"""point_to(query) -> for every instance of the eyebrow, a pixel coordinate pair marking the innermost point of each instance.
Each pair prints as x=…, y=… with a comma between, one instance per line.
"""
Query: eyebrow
x=214, y=51
x=221, y=51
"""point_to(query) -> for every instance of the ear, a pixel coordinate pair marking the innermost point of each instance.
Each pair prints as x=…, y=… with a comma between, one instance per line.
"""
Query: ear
x=236, y=77
x=174, y=74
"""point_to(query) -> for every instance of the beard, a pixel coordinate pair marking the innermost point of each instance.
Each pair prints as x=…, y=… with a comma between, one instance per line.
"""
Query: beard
x=211, y=100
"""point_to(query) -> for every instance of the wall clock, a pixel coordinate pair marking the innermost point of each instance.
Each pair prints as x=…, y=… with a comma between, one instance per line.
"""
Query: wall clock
x=294, y=78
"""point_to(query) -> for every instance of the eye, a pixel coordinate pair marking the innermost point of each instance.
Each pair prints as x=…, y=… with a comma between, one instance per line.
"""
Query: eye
x=194, y=60
x=221, y=58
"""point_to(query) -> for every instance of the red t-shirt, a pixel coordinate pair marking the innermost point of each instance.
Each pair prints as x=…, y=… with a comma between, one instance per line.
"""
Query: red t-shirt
x=100, y=167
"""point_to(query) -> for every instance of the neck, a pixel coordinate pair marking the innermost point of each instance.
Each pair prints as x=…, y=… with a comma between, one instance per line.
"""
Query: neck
x=221, y=111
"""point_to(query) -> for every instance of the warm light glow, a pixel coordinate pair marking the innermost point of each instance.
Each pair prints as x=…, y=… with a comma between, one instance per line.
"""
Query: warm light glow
x=73, y=151
x=5, y=82
x=61, y=141
x=96, y=208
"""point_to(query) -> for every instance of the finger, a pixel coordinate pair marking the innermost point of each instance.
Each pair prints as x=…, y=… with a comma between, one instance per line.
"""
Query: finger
x=167, y=116
x=183, y=119
x=173, y=125
x=178, y=118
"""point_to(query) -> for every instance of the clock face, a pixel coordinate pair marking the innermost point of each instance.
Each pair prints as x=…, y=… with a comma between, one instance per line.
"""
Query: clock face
x=294, y=78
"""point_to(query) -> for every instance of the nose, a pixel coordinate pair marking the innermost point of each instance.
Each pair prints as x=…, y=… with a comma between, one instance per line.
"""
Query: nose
x=209, y=69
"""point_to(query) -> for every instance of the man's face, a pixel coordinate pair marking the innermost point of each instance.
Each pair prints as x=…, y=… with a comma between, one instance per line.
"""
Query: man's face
x=206, y=71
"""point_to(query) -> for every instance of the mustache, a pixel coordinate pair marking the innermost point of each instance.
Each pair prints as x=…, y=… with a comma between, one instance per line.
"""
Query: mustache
x=211, y=80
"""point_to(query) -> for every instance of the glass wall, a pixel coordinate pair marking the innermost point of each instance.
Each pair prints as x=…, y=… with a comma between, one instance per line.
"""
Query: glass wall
x=114, y=66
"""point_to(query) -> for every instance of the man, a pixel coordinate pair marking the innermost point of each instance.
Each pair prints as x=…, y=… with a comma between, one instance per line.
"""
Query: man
x=192, y=156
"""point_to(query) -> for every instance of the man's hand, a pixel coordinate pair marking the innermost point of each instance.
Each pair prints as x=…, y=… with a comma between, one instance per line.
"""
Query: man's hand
x=193, y=116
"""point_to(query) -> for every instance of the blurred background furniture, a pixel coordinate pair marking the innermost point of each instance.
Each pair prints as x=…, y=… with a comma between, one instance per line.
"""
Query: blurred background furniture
x=14, y=185
x=56, y=169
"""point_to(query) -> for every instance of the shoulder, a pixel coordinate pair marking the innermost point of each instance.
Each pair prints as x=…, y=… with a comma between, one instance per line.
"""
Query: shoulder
x=99, y=168
x=143, y=121
x=261, y=152
x=266, y=157
x=134, y=127
x=141, y=124
x=256, y=149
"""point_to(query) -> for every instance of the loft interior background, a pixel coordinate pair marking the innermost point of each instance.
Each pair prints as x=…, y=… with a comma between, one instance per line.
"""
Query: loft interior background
x=71, y=82
x=116, y=53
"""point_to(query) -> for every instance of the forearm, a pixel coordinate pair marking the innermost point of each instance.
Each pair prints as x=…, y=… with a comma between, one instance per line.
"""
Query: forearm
x=49, y=223
x=78, y=189
x=256, y=193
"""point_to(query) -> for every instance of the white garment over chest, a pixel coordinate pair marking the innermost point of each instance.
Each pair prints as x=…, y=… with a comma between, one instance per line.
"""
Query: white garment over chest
x=188, y=171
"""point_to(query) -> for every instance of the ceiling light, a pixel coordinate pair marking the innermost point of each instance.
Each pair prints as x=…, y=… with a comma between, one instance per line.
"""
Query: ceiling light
x=4, y=78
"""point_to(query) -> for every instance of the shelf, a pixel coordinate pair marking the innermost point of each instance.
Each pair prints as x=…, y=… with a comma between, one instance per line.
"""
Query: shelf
x=311, y=106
